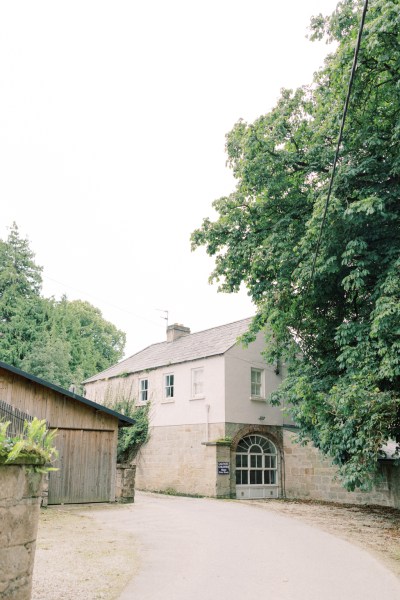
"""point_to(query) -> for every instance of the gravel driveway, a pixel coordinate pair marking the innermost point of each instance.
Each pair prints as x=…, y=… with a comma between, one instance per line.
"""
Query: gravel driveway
x=174, y=548
x=77, y=558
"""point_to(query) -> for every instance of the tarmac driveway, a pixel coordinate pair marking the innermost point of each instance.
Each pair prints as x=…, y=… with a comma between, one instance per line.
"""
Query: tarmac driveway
x=204, y=549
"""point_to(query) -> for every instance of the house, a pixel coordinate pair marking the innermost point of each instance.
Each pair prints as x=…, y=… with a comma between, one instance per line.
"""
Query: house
x=205, y=390
x=212, y=430
x=86, y=439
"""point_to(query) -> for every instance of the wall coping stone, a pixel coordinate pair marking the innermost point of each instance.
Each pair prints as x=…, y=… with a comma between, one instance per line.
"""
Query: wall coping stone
x=22, y=460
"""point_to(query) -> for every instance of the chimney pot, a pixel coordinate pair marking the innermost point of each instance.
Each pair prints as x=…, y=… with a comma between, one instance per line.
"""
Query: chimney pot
x=176, y=331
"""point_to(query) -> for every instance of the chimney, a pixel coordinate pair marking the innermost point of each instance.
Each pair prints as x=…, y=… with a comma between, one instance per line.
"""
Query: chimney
x=176, y=331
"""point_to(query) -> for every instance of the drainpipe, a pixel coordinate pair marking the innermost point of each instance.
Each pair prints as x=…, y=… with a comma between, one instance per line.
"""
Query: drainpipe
x=207, y=421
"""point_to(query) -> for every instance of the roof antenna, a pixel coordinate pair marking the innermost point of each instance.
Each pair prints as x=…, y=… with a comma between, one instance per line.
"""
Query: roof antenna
x=165, y=313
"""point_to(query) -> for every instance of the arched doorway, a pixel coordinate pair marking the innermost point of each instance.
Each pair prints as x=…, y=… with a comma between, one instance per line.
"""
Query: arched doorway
x=256, y=468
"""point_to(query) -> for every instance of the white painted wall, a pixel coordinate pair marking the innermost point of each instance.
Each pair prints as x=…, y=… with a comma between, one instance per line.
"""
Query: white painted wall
x=227, y=390
x=182, y=409
x=240, y=408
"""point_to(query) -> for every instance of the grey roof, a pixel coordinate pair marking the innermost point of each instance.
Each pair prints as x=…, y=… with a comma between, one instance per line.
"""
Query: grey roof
x=123, y=421
x=194, y=346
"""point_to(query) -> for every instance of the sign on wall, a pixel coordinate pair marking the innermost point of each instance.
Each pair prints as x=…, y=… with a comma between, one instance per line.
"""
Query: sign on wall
x=223, y=468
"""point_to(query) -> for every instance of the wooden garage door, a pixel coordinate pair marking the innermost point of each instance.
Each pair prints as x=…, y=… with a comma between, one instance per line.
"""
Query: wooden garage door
x=85, y=466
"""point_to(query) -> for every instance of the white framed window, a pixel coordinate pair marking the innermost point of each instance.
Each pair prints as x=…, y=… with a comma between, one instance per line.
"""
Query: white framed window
x=169, y=383
x=198, y=383
x=256, y=461
x=143, y=390
x=257, y=383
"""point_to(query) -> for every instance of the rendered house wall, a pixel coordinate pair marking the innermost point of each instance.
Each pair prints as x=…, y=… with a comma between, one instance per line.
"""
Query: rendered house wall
x=182, y=409
x=240, y=406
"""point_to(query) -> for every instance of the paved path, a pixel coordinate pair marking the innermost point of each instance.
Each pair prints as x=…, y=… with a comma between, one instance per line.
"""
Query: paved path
x=203, y=549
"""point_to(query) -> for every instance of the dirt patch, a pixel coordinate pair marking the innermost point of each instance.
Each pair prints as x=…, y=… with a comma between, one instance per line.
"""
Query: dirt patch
x=376, y=529
x=79, y=559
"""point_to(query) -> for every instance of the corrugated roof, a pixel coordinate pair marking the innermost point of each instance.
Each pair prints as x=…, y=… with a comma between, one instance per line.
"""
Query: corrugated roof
x=194, y=346
x=123, y=421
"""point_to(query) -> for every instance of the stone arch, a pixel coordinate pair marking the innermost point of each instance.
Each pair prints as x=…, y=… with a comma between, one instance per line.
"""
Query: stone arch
x=271, y=432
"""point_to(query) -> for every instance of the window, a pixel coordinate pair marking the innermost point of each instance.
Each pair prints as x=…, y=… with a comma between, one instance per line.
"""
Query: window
x=198, y=383
x=256, y=461
x=143, y=390
x=169, y=385
x=257, y=376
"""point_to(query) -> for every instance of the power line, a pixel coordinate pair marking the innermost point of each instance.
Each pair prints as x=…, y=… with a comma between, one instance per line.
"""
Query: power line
x=345, y=108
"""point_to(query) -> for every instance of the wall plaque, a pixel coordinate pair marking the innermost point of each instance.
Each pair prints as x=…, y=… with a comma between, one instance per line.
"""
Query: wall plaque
x=223, y=468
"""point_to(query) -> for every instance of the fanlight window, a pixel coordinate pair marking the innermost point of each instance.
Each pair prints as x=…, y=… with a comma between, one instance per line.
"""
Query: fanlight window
x=256, y=461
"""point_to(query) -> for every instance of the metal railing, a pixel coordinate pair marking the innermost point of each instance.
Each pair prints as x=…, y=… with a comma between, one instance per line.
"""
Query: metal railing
x=16, y=417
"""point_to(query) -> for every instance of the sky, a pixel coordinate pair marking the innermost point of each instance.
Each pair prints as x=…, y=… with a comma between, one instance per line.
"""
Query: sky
x=113, y=116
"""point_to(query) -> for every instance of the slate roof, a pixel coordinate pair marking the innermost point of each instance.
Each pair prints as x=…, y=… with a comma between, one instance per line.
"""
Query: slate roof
x=211, y=342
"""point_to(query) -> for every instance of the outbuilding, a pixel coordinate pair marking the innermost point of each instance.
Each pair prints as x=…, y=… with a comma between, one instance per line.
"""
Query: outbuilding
x=86, y=440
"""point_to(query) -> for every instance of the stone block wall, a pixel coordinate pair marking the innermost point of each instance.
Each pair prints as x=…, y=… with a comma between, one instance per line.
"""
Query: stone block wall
x=184, y=459
x=308, y=475
x=125, y=483
x=177, y=458
x=20, y=492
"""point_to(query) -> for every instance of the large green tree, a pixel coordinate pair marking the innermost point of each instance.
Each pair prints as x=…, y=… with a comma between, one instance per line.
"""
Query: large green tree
x=340, y=333
x=60, y=341
x=21, y=309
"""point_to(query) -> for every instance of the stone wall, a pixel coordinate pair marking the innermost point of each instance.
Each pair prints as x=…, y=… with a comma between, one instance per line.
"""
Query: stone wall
x=178, y=458
x=20, y=492
x=125, y=483
x=310, y=476
x=185, y=459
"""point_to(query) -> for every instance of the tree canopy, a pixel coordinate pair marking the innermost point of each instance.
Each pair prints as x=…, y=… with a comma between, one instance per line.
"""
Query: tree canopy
x=340, y=333
x=61, y=341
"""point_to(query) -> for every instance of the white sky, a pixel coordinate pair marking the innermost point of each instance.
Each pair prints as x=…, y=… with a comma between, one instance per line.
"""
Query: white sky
x=113, y=117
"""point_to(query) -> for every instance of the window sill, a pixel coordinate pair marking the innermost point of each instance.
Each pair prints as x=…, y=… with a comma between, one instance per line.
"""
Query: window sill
x=194, y=398
x=167, y=401
x=258, y=399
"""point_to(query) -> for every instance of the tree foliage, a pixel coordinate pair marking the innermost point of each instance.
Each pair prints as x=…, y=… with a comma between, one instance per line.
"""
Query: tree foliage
x=341, y=337
x=62, y=341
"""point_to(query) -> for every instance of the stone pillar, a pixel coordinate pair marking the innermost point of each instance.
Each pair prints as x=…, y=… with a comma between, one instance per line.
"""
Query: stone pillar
x=20, y=494
x=224, y=469
x=125, y=483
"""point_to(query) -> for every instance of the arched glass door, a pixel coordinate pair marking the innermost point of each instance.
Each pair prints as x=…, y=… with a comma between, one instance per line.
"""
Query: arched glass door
x=256, y=468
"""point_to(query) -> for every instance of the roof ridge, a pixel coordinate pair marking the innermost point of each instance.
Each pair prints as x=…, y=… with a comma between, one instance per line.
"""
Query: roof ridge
x=199, y=344
x=218, y=326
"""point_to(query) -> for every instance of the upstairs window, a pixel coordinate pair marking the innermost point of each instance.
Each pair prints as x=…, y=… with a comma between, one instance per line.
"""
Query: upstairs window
x=169, y=385
x=198, y=383
x=257, y=376
x=143, y=390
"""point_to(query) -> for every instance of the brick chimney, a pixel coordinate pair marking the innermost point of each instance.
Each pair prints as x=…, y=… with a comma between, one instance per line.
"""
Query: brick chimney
x=176, y=331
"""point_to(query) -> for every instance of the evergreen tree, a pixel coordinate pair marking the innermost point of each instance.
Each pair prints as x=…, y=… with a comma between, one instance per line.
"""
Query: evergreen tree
x=63, y=342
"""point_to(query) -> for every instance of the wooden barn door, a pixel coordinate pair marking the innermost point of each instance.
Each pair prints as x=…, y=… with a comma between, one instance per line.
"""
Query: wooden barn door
x=85, y=467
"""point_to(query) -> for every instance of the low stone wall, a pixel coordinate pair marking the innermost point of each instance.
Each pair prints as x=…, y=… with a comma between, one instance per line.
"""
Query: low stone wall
x=20, y=492
x=310, y=476
x=125, y=483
